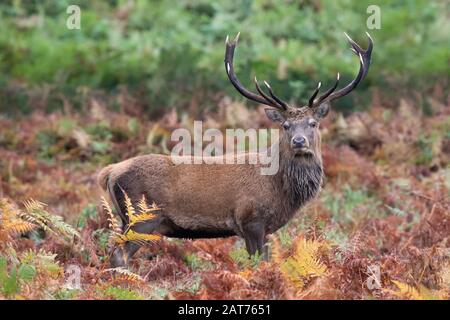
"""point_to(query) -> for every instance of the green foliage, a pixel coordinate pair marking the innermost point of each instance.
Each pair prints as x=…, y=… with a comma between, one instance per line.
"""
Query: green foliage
x=66, y=294
x=428, y=149
x=43, y=261
x=193, y=261
x=48, y=222
x=102, y=236
x=285, y=237
x=241, y=257
x=10, y=282
x=133, y=126
x=88, y=212
x=27, y=272
x=352, y=205
x=170, y=53
x=67, y=139
x=46, y=141
x=119, y=293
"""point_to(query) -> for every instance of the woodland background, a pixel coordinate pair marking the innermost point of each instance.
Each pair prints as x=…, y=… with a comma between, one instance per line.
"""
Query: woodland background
x=72, y=101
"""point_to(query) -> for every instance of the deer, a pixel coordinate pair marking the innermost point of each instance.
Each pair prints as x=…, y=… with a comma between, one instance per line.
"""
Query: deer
x=222, y=200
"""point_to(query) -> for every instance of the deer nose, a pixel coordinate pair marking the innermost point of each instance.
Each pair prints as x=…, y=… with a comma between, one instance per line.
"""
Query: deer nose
x=299, y=142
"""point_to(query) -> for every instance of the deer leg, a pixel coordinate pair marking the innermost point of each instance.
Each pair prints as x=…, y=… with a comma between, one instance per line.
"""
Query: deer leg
x=249, y=244
x=118, y=199
x=255, y=238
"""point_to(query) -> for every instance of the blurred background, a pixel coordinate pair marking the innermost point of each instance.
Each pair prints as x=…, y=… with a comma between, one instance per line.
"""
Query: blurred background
x=73, y=101
x=169, y=54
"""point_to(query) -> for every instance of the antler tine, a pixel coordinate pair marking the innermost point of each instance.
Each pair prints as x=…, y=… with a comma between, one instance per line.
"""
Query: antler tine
x=327, y=93
x=364, y=64
x=262, y=93
x=263, y=98
x=311, y=100
x=282, y=104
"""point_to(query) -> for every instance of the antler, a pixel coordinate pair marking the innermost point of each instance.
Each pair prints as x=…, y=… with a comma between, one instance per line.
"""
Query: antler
x=263, y=98
x=364, y=64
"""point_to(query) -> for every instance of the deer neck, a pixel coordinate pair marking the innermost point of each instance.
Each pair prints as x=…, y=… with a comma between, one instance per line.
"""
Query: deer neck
x=300, y=179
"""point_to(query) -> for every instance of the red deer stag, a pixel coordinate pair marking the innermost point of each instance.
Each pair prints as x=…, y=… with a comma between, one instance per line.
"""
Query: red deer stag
x=221, y=200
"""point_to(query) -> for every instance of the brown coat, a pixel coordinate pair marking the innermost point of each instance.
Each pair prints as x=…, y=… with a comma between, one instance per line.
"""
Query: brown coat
x=209, y=200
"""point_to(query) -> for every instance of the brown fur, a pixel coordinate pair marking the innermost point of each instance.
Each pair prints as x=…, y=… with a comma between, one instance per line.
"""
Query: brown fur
x=216, y=200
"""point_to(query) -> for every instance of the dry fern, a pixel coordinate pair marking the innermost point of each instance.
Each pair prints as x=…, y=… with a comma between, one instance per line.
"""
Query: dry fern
x=144, y=214
x=49, y=222
x=144, y=208
x=11, y=222
x=140, y=238
x=113, y=224
x=129, y=206
x=125, y=274
x=406, y=291
x=276, y=251
x=444, y=275
x=304, y=263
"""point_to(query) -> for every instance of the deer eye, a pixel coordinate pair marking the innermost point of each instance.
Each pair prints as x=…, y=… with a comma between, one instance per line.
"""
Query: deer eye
x=313, y=123
x=286, y=125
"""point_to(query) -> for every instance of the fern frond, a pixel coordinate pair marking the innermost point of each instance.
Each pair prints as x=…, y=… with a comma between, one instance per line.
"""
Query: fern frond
x=142, y=205
x=145, y=212
x=143, y=217
x=129, y=206
x=35, y=214
x=154, y=207
x=144, y=208
x=140, y=238
x=276, y=251
x=246, y=274
x=115, y=238
x=17, y=227
x=8, y=211
x=113, y=224
x=429, y=294
x=304, y=263
x=407, y=291
x=125, y=274
x=44, y=261
x=47, y=221
x=11, y=223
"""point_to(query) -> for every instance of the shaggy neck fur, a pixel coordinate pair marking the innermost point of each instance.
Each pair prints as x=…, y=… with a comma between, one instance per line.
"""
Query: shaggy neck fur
x=300, y=177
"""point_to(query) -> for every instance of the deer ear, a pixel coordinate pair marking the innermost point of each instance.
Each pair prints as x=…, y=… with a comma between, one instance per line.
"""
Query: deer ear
x=322, y=110
x=274, y=115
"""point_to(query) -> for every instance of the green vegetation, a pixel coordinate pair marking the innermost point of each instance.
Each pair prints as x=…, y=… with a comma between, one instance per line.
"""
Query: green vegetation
x=241, y=257
x=121, y=293
x=348, y=206
x=170, y=54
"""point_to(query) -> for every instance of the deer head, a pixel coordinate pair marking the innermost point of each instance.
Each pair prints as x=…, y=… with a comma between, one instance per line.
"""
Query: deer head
x=301, y=136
